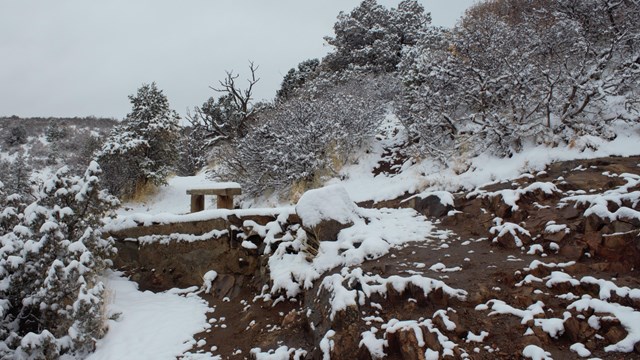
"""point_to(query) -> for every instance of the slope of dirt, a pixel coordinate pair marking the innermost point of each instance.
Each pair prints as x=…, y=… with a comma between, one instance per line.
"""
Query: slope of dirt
x=546, y=261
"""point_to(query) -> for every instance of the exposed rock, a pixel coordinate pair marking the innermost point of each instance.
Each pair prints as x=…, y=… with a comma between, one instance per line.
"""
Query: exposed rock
x=325, y=212
x=409, y=347
x=293, y=318
x=615, y=334
x=594, y=223
x=509, y=241
x=577, y=331
x=574, y=250
x=618, y=241
x=223, y=285
x=622, y=227
x=187, y=227
x=569, y=212
x=436, y=204
x=594, y=240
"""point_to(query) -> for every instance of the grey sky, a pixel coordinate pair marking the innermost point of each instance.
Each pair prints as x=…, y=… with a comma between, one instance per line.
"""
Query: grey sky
x=83, y=57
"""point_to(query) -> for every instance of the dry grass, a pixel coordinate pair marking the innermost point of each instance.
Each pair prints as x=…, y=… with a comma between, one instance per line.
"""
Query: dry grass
x=143, y=192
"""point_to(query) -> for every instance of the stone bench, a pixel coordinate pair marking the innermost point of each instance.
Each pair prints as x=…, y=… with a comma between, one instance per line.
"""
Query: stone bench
x=224, y=191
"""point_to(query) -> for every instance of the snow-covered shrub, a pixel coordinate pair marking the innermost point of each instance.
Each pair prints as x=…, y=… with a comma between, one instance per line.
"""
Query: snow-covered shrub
x=17, y=136
x=304, y=137
x=51, y=256
x=144, y=148
x=543, y=72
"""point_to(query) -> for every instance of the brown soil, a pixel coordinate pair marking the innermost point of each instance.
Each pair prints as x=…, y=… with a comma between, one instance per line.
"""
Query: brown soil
x=489, y=271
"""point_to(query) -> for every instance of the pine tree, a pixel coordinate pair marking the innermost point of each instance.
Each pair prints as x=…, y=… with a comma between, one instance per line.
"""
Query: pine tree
x=144, y=148
x=52, y=255
x=372, y=38
x=18, y=180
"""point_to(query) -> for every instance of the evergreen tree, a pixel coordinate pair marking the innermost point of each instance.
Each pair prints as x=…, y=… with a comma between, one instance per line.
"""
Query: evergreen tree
x=372, y=37
x=17, y=136
x=295, y=79
x=144, y=148
x=52, y=255
x=56, y=130
x=19, y=177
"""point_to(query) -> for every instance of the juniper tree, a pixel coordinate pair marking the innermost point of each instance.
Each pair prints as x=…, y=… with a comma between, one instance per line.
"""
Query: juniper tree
x=372, y=38
x=144, y=148
x=52, y=254
x=296, y=78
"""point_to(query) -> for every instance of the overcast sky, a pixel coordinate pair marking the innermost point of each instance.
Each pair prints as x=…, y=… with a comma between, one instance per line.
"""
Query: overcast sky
x=83, y=57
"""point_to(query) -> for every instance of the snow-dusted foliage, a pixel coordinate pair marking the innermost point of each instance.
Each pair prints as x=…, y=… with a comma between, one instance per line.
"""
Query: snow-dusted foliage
x=144, y=148
x=296, y=78
x=371, y=37
x=17, y=135
x=300, y=138
x=16, y=176
x=542, y=72
x=51, y=254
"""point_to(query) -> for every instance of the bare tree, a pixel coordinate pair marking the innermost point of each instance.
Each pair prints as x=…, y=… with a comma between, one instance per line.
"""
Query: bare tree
x=241, y=98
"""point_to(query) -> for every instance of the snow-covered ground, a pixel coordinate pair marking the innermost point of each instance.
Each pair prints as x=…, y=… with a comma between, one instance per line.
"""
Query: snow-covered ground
x=171, y=198
x=159, y=326
x=149, y=325
x=426, y=175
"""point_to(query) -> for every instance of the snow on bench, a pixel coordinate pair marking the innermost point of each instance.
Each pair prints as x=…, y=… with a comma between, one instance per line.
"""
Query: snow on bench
x=224, y=191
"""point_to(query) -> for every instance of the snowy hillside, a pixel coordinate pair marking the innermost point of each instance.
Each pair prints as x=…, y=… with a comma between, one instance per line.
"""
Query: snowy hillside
x=397, y=265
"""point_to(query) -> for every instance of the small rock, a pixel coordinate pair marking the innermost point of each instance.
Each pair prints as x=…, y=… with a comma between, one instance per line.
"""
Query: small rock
x=432, y=205
x=409, y=347
x=573, y=330
x=615, y=334
x=573, y=251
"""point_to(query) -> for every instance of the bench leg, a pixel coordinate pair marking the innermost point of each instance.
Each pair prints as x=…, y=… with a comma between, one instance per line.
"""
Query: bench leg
x=225, y=202
x=197, y=203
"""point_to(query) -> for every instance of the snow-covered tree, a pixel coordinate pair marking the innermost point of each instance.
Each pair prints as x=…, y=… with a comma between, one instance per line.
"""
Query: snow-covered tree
x=17, y=136
x=514, y=72
x=144, y=148
x=372, y=37
x=51, y=256
x=55, y=131
x=296, y=78
x=18, y=179
x=305, y=137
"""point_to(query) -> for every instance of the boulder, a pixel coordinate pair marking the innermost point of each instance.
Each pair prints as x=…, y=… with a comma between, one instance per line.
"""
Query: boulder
x=615, y=334
x=326, y=211
x=434, y=204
